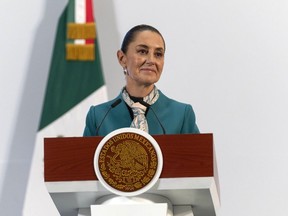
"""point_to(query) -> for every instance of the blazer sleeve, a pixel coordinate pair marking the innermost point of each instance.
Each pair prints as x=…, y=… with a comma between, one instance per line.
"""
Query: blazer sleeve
x=189, y=124
x=90, y=127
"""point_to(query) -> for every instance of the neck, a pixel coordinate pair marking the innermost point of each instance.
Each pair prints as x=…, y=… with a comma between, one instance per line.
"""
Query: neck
x=139, y=92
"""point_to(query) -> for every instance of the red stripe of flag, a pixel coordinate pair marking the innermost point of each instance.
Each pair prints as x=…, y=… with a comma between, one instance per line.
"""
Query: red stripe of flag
x=89, y=17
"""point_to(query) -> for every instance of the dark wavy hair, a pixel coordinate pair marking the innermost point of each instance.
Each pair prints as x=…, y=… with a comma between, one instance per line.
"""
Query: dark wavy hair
x=131, y=34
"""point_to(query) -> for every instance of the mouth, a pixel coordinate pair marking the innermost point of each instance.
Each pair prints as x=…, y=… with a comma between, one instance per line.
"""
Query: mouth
x=148, y=70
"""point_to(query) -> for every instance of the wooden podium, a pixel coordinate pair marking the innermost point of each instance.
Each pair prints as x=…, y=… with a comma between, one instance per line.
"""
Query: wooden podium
x=189, y=175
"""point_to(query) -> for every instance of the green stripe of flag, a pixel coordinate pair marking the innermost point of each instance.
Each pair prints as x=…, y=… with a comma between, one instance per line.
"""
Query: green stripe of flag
x=71, y=11
x=70, y=16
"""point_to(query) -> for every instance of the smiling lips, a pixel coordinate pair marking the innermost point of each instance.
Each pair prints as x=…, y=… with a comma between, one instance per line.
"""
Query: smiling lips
x=149, y=69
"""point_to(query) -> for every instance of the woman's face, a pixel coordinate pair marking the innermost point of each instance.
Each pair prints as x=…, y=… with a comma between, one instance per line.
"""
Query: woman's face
x=144, y=59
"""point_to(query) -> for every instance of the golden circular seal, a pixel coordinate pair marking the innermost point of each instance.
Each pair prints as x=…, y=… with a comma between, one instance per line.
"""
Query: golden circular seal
x=128, y=161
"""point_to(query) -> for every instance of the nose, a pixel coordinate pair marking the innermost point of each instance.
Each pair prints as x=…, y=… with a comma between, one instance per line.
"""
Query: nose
x=150, y=58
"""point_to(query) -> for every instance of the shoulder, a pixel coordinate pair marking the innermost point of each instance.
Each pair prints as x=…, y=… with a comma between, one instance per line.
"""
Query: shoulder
x=166, y=101
x=178, y=117
x=173, y=106
x=104, y=106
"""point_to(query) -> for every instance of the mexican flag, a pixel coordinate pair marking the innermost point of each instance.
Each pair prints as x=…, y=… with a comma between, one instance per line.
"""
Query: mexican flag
x=75, y=83
x=75, y=79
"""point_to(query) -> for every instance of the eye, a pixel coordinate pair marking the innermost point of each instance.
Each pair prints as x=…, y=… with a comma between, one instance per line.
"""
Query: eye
x=159, y=54
x=142, y=51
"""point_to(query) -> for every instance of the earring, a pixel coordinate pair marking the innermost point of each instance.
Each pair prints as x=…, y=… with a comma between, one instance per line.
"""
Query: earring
x=125, y=71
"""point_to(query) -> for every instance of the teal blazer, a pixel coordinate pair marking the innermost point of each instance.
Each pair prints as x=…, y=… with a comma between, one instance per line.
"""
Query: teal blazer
x=175, y=117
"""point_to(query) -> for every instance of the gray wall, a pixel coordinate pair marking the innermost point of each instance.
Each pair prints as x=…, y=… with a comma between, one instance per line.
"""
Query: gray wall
x=227, y=58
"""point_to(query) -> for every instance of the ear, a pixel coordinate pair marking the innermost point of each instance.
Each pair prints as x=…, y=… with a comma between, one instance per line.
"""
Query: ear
x=121, y=58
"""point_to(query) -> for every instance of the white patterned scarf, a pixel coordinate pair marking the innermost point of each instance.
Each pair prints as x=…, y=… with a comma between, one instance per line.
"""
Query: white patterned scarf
x=139, y=109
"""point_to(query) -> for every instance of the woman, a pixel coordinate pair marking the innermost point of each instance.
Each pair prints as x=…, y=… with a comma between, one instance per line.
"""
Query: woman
x=140, y=104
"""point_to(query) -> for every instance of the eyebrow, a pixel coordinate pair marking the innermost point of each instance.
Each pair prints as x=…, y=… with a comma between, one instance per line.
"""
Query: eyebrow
x=146, y=47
